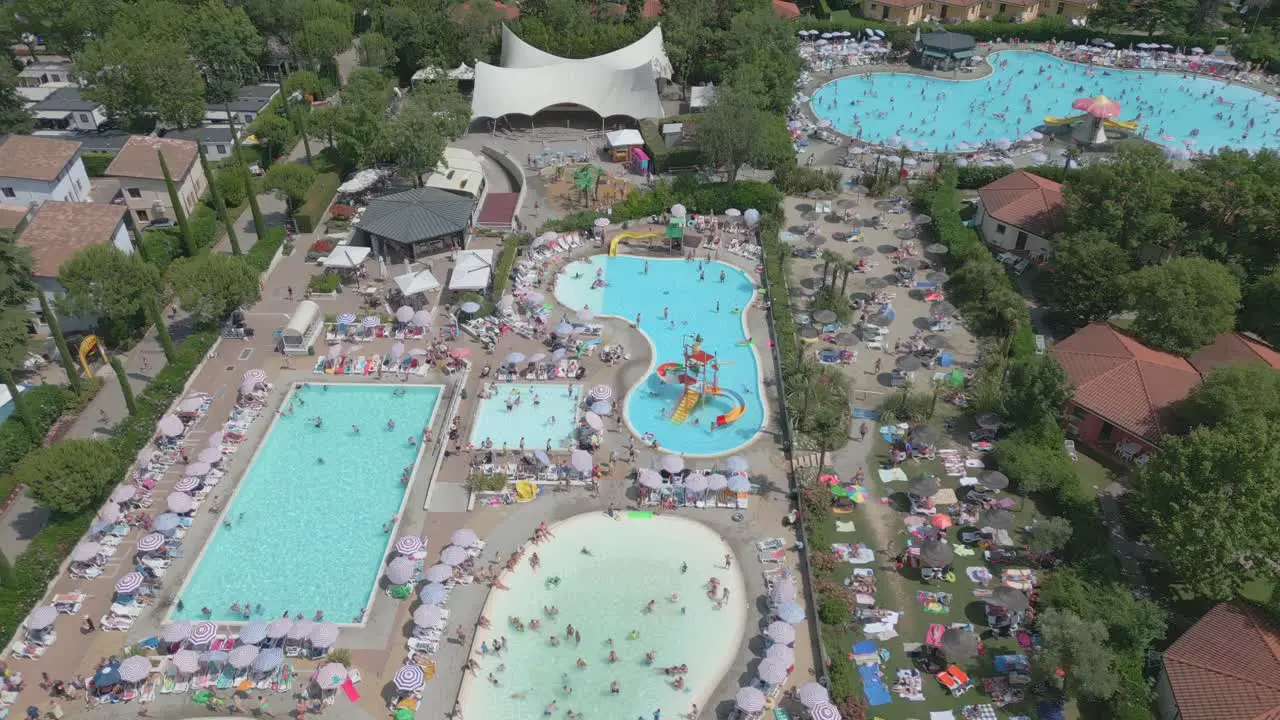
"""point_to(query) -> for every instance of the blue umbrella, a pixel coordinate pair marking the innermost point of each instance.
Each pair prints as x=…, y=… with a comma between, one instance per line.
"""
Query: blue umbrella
x=166, y=522
x=107, y=675
x=791, y=613
x=253, y=633
x=469, y=306
x=433, y=593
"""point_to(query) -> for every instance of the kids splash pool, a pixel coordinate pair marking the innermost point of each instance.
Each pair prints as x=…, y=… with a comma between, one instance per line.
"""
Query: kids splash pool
x=305, y=528
x=540, y=415
x=702, y=395
x=1025, y=88
x=604, y=596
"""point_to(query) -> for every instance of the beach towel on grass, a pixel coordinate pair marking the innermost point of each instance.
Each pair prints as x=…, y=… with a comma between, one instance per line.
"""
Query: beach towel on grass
x=893, y=475
x=873, y=686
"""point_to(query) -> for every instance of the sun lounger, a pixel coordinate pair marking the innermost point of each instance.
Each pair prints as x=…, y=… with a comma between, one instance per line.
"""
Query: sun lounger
x=773, y=543
x=225, y=678
x=952, y=685
x=115, y=623
x=69, y=603
x=131, y=611
x=776, y=556
x=148, y=692
x=961, y=679
x=28, y=651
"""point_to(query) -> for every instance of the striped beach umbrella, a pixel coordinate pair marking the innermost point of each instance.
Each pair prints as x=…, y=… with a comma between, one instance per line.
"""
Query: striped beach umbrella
x=242, y=656
x=150, y=542
x=433, y=593
x=453, y=555
x=130, y=582
x=782, y=654
x=772, y=672
x=187, y=484
x=177, y=631
x=253, y=633
x=717, y=482
x=427, y=616
x=134, y=668
x=331, y=675
x=346, y=317
x=268, y=660
x=780, y=632
x=255, y=375
x=824, y=711
x=409, y=678
x=371, y=321
x=400, y=571
x=197, y=469
x=180, y=502
x=749, y=700
x=466, y=537
x=301, y=630
x=210, y=455
x=42, y=617
x=324, y=635
x=601, y=392
x=439, y=573
x=186, y=661
x=279, y=628
x=811, y=693
x=203, y=633
x=408, y=545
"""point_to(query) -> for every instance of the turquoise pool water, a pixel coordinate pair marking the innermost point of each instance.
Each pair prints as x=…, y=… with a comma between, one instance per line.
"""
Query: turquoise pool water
x=307, y=536
x=938, y=114
x=604, y=596
x=691, y=309
x=552, y=417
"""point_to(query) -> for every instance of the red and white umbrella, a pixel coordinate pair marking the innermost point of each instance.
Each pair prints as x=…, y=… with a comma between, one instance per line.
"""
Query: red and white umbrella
x=130, y=582
x=1099, y=106
x=408, y=545
x=749, y=699
x=812, y=693
x=203, y=633
x=400, y=571
x=134, y=669
x=453, y=555
x=150, y=542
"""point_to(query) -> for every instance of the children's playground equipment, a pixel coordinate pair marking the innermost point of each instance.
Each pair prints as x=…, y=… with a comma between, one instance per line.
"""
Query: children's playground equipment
x=1100, y=112
x=700, y=376
x=674, y=235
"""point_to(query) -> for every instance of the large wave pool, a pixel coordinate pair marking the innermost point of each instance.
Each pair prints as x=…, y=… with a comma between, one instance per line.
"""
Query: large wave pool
x=302, y=535
x=937, y=114
x=676, y=300
x=604, y=597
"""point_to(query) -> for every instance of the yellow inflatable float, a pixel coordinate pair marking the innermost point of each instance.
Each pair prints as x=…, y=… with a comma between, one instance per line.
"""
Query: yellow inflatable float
x=526, y=491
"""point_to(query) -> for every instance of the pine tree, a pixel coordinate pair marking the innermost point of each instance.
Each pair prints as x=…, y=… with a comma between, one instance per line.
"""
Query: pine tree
x=188, y=243
x=60, y=341
x=218, y=204
x=259, y=224
x=125, y=388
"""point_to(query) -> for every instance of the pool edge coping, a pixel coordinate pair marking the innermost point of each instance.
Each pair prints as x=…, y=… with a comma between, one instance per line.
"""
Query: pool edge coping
x=253, y=459
x=653, y=352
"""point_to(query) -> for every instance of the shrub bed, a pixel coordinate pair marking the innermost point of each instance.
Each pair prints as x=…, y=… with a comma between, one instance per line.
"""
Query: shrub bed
x=312, y=209
x=95, y=164
x=973, y=177
x=264, y=250
x=711, y=198
x=507, y=260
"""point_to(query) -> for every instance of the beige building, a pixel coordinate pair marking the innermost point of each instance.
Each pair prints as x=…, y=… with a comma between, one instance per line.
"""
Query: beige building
x=142, y=186
x=954, y=10
x=1067, y=9
x=899, y=12
x=1021, y=11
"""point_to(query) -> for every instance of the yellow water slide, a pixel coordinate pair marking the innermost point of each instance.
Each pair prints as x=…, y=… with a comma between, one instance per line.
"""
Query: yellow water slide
x=613, y=244
x=1113, y=124
x=687, y=401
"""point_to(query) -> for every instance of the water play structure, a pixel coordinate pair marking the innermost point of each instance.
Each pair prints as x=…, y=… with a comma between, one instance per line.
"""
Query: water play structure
x=649, y=237
x=672, y=238
x=1091, y=126
x=699, y=374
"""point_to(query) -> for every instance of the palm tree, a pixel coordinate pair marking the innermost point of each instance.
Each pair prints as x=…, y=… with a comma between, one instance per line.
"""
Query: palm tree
x=903, y=153
x=829, y=258
x=1070, y=155
x=847, y=266
x=799, y=375
x=830, y=432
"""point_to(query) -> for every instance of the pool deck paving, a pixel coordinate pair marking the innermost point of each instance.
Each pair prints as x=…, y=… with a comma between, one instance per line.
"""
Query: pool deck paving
x=378, y=647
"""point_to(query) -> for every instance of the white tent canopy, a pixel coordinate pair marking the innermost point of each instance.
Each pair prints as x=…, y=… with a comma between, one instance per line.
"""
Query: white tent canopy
x=417, y=282
x=361, y=181
x=648, y=50
x=462, y=72
x=303, y=328
x=624, y=138
x=347, y=256
x=527, y=91
x=471, y=270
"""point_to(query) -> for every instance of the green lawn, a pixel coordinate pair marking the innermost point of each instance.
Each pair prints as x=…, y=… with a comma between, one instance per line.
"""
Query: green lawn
x=900, y=595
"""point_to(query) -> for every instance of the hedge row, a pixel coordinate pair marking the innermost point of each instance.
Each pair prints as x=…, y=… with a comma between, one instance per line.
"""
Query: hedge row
x=975, y=176
x=1040, y=30
x=506, y=261
x=264, y=250
x=665, y=158
x=45, y=404
x=40, y=563
x=311, y=212
x=712, y=198
x=95, y=164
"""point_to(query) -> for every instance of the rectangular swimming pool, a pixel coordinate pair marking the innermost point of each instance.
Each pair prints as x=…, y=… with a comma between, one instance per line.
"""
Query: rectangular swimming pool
x=545, y=412
x=304, y=530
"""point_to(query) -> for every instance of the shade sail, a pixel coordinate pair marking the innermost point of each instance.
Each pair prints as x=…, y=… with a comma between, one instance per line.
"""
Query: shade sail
x=417, y=282
x=346, y=256
x=607, y=91
x=471, y=270
x=648, y=51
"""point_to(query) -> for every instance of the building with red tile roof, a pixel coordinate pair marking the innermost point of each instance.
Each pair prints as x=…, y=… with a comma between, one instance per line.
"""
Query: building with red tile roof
x=1235, y=348
x=1226, y=667
x=1124, y=390
x=1021, y=212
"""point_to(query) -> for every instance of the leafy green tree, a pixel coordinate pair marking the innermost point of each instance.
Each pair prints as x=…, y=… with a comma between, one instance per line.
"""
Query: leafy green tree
x=275, y=131
x=1130, y=200
x=290, y=181
x=1035, y=459
x=211, y=286
x=1229, y=202
x=1232, y=392
x=760, y=52
x=307, y=83
x=1079, y=648
x=215, y=194
x=1258, y=311
x=14, y=115
x=100, y=280
x=982, y=290
x=360, y=126
x=322, y=125
x=1183, y=304
x=1215, y=536
x=65, y=358
x=734, y=132
x=322, y=39
x=70, y=475
x=1167, y=15
x=1088, y=280
x=15, y=343
x=377, y=51
x=1133, y=622
x=179, y=213
x=226, y=47
x=122, y=377
x=434, y=116
x=16, y=285
x=138, y=79
x=1049, y=534
x=1036, y=390
x=65, y=25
